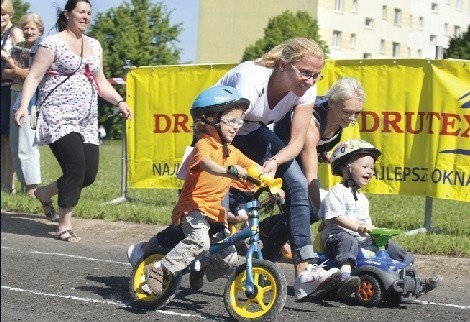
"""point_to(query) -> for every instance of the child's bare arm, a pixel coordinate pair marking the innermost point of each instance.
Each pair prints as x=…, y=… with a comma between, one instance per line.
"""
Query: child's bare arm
x=351, y=224
x=216, y=169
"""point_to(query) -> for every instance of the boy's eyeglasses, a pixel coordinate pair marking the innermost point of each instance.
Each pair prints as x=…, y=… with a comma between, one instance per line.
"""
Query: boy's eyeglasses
x=232, y=123
x=306, y=75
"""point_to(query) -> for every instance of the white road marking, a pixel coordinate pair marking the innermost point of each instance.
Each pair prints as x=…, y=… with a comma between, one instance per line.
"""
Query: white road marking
x=84, y=299
x=71, y=297
x=67, y=255
x=463, y=307
x=75, y=298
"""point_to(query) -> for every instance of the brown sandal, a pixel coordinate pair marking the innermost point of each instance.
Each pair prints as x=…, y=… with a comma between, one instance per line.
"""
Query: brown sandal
x=70, y=238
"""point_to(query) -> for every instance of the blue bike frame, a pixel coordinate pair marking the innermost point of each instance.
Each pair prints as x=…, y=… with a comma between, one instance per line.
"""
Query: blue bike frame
x=251, y=232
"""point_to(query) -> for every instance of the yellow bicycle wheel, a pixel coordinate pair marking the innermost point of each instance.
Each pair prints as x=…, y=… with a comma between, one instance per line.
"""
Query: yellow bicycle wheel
x=137, y=282
x=269, y=296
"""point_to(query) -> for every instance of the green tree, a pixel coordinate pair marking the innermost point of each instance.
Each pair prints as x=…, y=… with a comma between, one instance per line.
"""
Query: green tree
x=459, y=47
x=280, y=28
x=139, y=31
x=20, y=8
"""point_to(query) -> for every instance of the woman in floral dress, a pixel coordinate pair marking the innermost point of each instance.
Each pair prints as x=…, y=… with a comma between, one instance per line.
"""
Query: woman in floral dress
x=69, y=71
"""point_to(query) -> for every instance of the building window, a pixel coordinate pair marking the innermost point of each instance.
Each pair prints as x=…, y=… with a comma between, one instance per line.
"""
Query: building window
x=434, y=7
x=336, y=39
x=369, y=23
x=458, y=5
x=339, y=5
x=421, y=23
x=395, y=49
x=446, y=29
x=367, y=55
x=411, y=22
x=355, y=6
x=457, y=32
x=382, y=46
x=433, y=39
x=409, y=52
x=384, y=13
x=397, y=17
x=352, y=42
x=420, y=53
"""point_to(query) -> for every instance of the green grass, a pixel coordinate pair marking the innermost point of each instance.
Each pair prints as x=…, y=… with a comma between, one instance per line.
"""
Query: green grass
x=153, y=206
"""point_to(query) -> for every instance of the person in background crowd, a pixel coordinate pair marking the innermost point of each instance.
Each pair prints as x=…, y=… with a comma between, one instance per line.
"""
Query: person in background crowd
x=10, y=36
x=282, y=80
x=68, y=67
x=25, y=155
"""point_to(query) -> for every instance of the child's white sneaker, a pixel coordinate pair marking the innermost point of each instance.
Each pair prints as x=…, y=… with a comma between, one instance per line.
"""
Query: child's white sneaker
x=135, y=253
x=316, y=280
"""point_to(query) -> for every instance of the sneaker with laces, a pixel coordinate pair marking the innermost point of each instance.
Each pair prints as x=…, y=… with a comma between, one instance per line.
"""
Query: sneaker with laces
x=316, y=280
x=348, y=287
x=135, y=253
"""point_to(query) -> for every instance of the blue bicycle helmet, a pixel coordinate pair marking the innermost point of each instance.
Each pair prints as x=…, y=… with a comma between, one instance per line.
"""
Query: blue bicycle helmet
x=217, y=99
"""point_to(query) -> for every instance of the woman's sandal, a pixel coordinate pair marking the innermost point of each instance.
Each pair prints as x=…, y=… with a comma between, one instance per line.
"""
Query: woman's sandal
x=48, y=209
x=70, y=238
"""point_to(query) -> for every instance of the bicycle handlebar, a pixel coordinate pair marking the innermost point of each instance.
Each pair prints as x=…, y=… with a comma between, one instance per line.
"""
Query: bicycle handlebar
x=232, y=170
x=257, y=178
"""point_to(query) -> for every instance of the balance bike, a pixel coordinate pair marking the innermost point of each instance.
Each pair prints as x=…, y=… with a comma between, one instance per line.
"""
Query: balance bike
x=255, y=291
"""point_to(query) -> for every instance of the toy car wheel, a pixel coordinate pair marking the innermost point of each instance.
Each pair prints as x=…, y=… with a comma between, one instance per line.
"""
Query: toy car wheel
x=370, y=291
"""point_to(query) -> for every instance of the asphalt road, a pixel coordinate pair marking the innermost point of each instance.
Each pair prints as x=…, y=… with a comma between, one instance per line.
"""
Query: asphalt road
x=44, y=279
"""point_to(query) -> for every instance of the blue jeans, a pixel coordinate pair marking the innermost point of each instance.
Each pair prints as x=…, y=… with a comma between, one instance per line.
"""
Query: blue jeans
x=26, y=158
x=262, y=144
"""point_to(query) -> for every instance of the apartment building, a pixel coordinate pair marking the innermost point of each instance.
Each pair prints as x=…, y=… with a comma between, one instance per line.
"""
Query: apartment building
x=353, y=29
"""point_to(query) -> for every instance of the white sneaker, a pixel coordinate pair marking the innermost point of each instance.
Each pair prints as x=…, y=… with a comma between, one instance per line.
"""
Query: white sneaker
x=315, y=280
x=135, y=253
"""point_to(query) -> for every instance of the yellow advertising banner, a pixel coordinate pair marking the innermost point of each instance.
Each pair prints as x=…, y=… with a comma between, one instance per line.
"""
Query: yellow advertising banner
x=160, y=128
x=417, y=112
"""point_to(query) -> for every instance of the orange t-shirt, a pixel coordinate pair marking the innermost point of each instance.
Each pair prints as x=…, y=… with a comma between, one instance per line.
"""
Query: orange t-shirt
x=204, y=191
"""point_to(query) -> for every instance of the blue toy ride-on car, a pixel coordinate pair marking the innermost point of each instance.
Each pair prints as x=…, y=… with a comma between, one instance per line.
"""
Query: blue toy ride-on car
x=383, y=279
